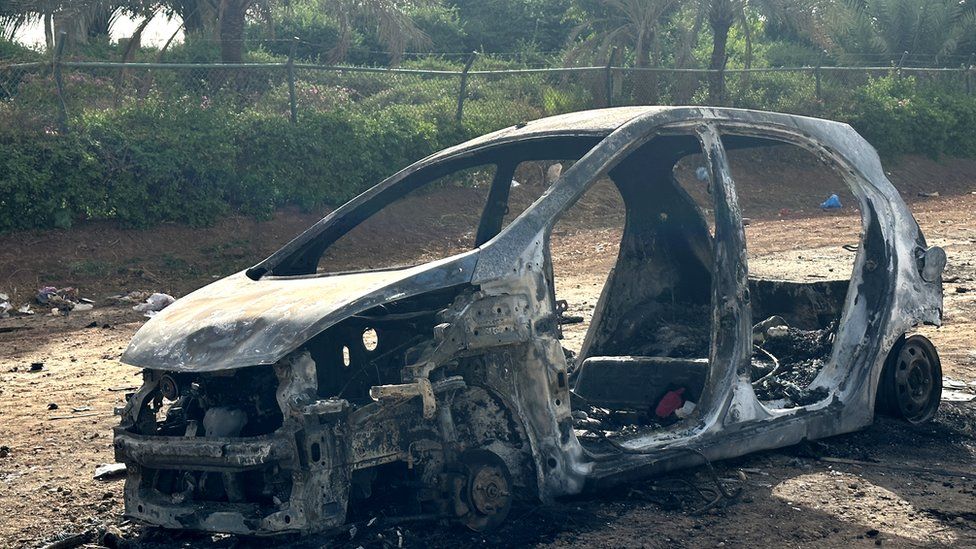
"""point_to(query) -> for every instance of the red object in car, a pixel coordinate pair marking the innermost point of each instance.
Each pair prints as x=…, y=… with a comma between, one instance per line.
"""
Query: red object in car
x=671, y=401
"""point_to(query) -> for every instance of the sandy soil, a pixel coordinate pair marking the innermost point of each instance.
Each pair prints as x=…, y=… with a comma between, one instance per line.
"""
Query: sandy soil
x=902, y=486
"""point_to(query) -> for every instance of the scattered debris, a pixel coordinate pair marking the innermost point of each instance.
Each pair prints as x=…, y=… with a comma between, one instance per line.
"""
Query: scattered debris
x=83, y=307
x=25, y=309
x=69, y=541
x=109, y=471
x=953, y=383
x=832, y=203
x=155, y=303
x=952, y=395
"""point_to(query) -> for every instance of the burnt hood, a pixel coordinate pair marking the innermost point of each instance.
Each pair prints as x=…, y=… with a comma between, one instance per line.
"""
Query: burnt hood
x=237, y=322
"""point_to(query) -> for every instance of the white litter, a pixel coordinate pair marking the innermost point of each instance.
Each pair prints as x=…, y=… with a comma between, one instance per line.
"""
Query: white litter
x=154, y=303
x=951, y=395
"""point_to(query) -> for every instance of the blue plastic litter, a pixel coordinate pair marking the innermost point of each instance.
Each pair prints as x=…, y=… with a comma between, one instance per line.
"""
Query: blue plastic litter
x=701, y=173
x=831, y=203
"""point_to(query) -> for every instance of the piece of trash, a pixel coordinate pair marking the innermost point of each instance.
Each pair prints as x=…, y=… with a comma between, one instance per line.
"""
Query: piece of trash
x=108, y=471
x=83, y=307
x=671, y=401
x=45, y=293
x=686, y=409
x=4, y=451
x=515, y=184
x=25, y=310
x=352, y=532
x=36, y=366
x=52, y=406
x=5, y=308
x=761, y=330
x=929, y=195
x=554, y=172
x=961, y=289
x=953, y=383
x=155, y=303
x=701, y=173
x=832, y=203
x=4, y=297
x=77, y=409
x=952, y=395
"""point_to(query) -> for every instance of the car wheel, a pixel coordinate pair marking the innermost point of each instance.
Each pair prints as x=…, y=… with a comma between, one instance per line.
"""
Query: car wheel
x=911, y=381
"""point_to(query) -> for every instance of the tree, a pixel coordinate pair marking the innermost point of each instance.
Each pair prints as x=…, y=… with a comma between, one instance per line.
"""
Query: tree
x=892, y=27
x=804, y=16
x=388, y=19
x=632, y=25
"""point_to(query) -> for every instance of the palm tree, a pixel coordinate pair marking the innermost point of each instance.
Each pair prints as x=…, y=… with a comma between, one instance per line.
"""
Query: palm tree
x=805, y=16
x=627, y=25
x=388, y=18
x=892, y=27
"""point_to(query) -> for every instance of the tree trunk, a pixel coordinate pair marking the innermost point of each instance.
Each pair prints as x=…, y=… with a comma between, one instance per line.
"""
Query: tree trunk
x=744, y=82
x=231, y=23
x=49, y=31
x=687, y=83
x=720, y=18
x=645, y=82
x=198, y=15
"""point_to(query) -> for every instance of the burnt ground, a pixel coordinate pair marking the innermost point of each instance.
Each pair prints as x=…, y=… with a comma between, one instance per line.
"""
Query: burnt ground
x=890, y=485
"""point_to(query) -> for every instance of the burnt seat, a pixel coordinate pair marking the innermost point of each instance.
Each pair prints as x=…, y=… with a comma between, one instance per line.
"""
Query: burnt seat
x=638, y=382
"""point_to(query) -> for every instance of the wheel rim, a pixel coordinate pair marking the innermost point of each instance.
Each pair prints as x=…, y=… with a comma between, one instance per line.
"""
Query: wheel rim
x=916, y=381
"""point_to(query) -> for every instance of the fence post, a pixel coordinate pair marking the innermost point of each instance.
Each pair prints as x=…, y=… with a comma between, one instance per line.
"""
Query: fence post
x=608, y=77
x=463, y=91
x=901, y=63
x=59, y=81
x=818, y=76
x=292, y=100
x=969, y=73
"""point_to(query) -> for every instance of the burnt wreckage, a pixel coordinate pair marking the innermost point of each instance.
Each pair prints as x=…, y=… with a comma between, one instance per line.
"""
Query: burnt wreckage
x=264, y=410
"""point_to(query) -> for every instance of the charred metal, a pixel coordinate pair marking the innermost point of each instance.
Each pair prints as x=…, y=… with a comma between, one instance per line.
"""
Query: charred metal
x=284, y=400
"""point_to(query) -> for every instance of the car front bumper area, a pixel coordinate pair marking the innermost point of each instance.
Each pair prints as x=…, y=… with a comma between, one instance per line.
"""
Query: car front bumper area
x=262, y=486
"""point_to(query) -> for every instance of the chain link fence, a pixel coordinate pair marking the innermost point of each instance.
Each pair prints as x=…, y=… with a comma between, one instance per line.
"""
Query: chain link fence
x=47, y=95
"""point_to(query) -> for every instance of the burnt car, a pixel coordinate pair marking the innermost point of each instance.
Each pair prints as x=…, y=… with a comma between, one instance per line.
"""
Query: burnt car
x=289, y=397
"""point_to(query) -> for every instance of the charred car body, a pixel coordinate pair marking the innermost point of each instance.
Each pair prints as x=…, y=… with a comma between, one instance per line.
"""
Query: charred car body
x=280, y=398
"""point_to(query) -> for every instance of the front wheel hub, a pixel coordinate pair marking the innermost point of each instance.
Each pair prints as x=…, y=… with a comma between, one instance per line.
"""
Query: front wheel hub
x=488, y=490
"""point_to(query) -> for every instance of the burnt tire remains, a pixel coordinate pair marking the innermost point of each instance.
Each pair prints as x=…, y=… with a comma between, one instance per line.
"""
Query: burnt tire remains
x=911, y=382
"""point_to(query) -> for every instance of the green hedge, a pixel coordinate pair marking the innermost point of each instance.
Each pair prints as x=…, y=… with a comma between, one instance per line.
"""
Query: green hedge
x=192, y=161
x=192, y=164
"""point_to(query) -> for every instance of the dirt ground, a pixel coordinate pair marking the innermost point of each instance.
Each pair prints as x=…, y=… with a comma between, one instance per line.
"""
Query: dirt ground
x=891, y=485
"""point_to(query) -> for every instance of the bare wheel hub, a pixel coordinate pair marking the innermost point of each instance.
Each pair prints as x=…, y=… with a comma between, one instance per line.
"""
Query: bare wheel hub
x=488, y=491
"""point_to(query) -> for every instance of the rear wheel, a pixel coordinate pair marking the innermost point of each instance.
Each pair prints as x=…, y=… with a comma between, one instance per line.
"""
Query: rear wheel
x=911, y=382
